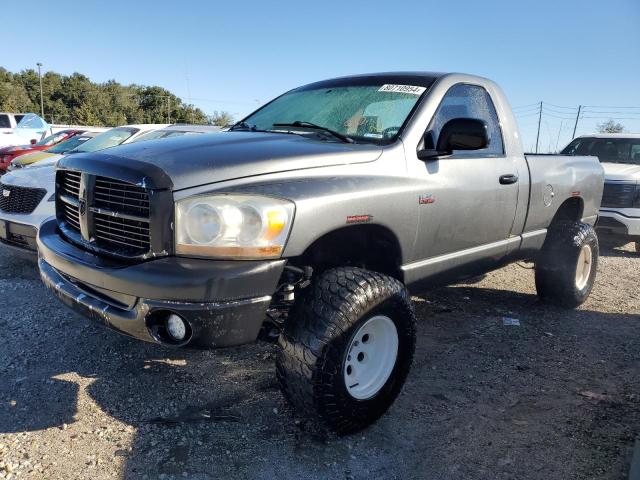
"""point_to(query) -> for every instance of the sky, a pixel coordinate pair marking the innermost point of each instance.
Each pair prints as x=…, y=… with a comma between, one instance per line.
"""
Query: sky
x=235, y=56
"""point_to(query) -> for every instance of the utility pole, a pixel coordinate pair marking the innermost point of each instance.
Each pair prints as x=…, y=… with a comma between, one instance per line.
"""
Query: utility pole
x=41, y=99
x=168, y=109
x=539, y=120
x=559, y=132
x=576, y=124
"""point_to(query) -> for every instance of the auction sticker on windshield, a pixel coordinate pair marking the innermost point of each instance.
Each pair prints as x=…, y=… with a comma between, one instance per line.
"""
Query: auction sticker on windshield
x=388, y=87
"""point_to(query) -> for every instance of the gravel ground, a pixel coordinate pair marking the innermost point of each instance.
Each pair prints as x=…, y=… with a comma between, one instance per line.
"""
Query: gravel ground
x=555, y=398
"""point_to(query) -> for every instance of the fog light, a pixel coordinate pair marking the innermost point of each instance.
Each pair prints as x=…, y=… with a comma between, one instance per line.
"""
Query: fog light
x=176, y=327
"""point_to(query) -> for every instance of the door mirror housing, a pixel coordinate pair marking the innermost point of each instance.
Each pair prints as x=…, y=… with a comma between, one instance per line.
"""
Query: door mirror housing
x=463, y=134
x=457, y=134
x=33, y=141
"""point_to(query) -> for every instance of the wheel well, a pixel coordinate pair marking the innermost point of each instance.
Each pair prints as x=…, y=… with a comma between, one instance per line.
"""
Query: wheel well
x=373, y=247
x=570, y=211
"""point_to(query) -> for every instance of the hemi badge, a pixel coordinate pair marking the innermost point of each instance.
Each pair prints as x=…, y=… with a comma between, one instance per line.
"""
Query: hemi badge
x=6, y=193
x=359, y=218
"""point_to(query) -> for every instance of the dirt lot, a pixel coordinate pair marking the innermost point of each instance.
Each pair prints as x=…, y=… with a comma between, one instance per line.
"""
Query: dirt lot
x=557, y=397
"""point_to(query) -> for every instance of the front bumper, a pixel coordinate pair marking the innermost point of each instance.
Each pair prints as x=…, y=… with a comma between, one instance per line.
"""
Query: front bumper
x=18, y=236
x=620, y=223
x=224, y=302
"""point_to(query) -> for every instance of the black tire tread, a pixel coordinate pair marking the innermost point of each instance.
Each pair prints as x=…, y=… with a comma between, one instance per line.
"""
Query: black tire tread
x=555, y=269
x=323, y=315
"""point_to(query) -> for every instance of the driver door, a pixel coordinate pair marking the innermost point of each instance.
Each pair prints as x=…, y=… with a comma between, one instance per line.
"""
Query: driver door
x=467, y=209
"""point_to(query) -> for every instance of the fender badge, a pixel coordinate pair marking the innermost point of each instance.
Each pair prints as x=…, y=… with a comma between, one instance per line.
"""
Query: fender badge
x=426, y=199
x=359, y=218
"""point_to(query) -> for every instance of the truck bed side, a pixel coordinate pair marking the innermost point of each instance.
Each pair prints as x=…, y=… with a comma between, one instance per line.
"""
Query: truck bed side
x=556, y=179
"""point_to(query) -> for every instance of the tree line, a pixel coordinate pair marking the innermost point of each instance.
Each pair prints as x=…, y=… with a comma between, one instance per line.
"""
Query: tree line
x=75, y=99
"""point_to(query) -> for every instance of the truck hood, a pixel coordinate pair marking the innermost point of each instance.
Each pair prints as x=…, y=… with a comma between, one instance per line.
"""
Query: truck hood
x=621, y=171
x=194, y=160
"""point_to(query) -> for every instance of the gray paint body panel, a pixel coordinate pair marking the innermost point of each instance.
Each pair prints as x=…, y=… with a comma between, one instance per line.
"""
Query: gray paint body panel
x=474, y=224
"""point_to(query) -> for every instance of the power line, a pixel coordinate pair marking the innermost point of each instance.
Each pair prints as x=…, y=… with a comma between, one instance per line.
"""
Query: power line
x=560, y=106
x=613, y=118
x=535, y=105
x=607, y=106
x=526, y=114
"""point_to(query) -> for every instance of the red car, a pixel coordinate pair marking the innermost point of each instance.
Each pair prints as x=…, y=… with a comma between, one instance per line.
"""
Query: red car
x=9, y=153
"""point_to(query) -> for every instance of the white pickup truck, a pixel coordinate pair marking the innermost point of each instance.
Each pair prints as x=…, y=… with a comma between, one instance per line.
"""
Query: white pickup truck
x=619, y=154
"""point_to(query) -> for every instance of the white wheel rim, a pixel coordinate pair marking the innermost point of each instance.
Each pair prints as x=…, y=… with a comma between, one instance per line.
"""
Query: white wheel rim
x=583, y=269
x=371, y=357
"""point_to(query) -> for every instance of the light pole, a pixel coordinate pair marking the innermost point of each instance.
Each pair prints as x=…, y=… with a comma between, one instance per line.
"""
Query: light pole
x=41, y=99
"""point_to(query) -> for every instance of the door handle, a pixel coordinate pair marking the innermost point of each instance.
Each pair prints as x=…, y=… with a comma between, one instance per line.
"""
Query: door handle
x=508, y=179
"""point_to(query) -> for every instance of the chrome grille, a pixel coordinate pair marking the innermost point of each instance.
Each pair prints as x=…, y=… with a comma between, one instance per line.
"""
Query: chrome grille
x=120, y=196
x=69, y=185
x=618, y=195
x=121, y=231
x=113, y=217
x=14, y=199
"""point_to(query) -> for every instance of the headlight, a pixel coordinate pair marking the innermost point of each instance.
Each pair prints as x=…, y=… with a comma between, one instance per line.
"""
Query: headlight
x=232, y=226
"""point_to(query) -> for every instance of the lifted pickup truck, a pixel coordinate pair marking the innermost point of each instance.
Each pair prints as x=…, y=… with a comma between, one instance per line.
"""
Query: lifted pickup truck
x=310, y=220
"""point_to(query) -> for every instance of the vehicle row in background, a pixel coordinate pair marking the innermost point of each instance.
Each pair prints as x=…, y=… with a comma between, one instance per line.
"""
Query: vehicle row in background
x=28, y=190
x=7, y=154
x=619, y=154
x=28, y=128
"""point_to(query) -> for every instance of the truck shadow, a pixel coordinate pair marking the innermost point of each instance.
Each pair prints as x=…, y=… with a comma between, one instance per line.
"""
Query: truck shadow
x=220, y=414
x=609, y=248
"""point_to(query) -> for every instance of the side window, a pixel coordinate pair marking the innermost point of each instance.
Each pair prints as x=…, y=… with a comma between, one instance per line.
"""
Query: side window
x=4, y=121
x=469, y=101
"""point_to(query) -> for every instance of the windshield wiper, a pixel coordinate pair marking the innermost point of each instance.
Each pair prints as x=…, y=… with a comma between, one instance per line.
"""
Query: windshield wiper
x=313, y=126
x=243, y=125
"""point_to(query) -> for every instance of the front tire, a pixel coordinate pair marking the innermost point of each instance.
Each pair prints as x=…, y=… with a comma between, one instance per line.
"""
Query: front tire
x=566, y=268
x=347, y=349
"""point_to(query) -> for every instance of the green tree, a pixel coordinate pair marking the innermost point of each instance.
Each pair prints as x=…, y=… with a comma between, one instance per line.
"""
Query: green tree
x=76, y=99
x=221, y=119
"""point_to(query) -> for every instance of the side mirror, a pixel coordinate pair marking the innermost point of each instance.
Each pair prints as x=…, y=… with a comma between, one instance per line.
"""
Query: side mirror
x=458, y=134
x=33, y=141
x=463, y=134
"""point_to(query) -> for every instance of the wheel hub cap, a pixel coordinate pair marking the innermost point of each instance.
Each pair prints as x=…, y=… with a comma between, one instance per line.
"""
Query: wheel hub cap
x=371, y=357
x=583, y=269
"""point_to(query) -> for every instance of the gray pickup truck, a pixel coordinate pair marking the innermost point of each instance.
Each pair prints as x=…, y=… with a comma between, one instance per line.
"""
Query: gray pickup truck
x=309, y=222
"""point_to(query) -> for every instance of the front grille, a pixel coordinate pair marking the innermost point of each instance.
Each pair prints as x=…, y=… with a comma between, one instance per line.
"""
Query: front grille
x=16, y=199
x=114, y=216
x=69, y=185
x=122, y=232
x=121, y=197
x=618, y=195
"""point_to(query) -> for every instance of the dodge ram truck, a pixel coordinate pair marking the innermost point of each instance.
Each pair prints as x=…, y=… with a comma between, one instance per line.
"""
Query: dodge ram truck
x=311, y=220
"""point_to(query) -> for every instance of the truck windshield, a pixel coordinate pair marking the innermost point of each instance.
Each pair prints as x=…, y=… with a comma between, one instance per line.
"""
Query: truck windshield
x=614, y=150
x=362, y=113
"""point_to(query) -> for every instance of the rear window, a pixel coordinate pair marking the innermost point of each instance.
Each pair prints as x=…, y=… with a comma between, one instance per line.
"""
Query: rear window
x=613, y=150
x=52, y=139
x=4, y=121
